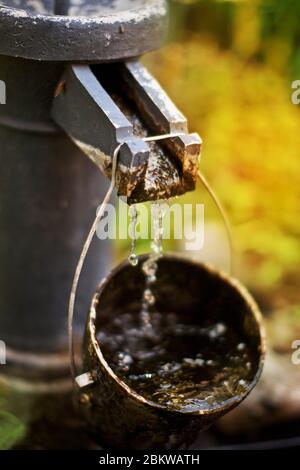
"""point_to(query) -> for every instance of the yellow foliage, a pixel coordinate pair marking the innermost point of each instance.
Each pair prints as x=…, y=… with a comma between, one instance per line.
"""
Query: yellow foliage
x=251, y=133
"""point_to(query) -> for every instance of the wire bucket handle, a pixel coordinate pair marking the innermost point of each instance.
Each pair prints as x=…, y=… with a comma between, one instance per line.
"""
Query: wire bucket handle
x=83, y=379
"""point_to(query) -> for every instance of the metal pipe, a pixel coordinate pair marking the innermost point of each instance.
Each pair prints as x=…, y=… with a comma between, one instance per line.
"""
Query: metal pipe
x=49, y=195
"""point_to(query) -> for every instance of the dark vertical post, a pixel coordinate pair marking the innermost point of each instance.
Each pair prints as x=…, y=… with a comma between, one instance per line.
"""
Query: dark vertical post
x=49, y=192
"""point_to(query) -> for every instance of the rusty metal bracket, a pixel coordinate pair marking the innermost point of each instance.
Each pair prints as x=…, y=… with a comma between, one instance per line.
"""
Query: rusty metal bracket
x=100, y=107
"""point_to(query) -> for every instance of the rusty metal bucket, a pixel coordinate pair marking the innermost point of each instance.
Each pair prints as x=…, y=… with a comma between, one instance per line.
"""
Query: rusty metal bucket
x=118, y=416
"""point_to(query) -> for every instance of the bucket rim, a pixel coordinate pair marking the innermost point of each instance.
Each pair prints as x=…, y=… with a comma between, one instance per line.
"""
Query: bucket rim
x=221, y=407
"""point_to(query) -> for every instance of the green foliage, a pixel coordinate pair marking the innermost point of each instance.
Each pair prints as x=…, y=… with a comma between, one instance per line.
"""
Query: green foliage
x=251, y=134
x=11, y=430
x=278, y=32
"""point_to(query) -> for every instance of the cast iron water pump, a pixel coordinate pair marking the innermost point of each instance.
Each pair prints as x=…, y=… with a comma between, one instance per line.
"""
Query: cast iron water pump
x=71, y=89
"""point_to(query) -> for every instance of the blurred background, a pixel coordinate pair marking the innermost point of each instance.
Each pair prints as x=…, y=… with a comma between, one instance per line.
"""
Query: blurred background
x=229, y=66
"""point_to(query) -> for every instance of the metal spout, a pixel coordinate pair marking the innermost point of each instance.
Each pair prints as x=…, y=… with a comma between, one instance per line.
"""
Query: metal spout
x=102, y=106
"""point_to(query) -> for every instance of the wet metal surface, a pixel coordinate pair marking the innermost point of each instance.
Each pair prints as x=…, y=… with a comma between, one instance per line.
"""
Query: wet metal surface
x=93, y=31
x=124, y=103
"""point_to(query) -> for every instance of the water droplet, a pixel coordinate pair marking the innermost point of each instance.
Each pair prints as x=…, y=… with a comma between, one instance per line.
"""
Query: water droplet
x=149, y=297
x=210, y=362
x=133, y=259
x=210, y=400
x=217, y=330
x=133, y=214
x=124, y=360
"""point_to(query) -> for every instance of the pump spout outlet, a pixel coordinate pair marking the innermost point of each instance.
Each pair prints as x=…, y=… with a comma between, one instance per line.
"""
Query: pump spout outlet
x=101, y=106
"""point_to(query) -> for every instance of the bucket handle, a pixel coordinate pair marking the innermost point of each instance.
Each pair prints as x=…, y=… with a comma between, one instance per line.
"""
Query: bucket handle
x=85, y=379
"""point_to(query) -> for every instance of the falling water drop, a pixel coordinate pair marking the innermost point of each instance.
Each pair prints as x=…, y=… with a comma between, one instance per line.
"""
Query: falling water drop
x=150, y=265
x=133, y=215
x=133, y=259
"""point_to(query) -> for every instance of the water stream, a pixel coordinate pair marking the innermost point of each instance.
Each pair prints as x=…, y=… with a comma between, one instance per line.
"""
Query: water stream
x=182, y=366
x=133, y=214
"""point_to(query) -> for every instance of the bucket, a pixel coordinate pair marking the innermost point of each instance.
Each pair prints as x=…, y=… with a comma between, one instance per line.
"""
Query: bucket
x=205, y=356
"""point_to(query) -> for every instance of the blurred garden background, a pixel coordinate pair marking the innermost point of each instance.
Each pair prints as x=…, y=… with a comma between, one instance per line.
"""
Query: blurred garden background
x=229, y=66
